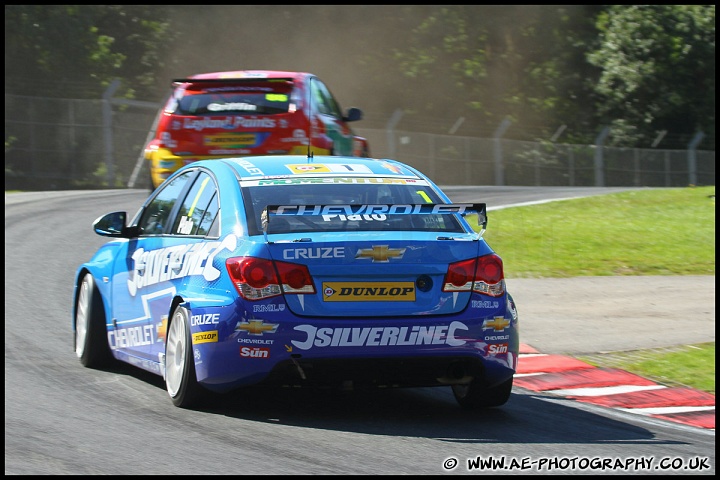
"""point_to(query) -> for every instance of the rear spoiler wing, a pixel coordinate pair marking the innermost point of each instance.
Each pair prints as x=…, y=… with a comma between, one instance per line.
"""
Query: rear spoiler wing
x=479, y=209
x=231, y=80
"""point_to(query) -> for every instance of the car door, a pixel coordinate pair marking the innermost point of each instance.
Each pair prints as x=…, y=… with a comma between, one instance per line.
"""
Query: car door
x=329, y=113
x=192, y=235
x=155, y=264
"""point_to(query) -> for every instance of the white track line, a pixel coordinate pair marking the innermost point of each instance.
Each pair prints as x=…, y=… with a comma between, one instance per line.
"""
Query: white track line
x=597, y=391
x=665, y=410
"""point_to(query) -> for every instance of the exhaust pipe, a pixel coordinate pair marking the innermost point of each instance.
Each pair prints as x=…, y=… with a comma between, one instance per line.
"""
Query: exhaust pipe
x=456, y=373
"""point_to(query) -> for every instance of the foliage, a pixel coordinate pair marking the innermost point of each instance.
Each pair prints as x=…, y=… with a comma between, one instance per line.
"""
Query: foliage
x=99, y=177
x=658, y=70
x=641, y=69
x=9, y=141
x=524, y=62
x=79, y=50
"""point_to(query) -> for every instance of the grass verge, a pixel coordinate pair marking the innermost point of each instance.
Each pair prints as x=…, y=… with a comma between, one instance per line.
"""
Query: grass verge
x=680, y=366
x=660, y=231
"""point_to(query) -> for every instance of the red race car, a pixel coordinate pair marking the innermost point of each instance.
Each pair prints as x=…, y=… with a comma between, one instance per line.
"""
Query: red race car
x=249, y=112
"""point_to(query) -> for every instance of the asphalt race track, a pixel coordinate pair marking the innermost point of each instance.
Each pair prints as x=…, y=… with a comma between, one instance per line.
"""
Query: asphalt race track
x=64, y=419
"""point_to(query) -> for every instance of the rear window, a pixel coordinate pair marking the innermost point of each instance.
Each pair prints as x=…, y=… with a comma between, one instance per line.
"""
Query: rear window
x=242, y=103
x=354, y=192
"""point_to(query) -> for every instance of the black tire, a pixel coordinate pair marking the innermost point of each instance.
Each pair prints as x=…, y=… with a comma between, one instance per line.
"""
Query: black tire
x=91, y=341
x=180, y=378
x=477, y=395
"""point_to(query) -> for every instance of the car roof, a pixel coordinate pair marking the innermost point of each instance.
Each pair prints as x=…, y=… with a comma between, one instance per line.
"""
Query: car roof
x=293, y=166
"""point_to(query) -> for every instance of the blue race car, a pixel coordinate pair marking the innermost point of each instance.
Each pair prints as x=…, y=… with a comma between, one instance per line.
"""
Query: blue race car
x=300, y=271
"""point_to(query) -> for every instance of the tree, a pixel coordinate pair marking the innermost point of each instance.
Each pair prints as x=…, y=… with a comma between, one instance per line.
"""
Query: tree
x=486, y=63
x=658, y=71
x=76, y=51
x=640, y=69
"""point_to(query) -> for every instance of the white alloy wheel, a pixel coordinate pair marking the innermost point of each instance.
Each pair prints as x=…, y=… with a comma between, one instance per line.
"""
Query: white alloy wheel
x=175, y=353
x=180, y=378
x=82, y=315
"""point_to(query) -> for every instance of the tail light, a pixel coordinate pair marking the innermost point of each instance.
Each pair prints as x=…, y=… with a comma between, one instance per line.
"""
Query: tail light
x=258, y=278
x=481, y=275
x=295, y=278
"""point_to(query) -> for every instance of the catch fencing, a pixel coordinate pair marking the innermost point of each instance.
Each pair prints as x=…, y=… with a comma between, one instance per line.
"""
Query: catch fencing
x=57, y=144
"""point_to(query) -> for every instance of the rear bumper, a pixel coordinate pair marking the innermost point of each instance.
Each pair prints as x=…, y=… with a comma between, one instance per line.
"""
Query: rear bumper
x=384, y=372
x=290, y=356
x=282, y=349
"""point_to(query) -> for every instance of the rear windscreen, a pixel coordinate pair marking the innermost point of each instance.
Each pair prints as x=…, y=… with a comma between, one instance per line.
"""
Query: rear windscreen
x=353, y=192
x=238, y=103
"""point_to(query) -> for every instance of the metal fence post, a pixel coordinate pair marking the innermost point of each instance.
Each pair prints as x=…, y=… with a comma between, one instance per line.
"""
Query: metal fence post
x=599, y=167
x=390, y=128
x=33, y=137
x=73, y=141
x=692, y=157
x=636, y=167
x=468, y=164
x=499, y=132
x=107, y=130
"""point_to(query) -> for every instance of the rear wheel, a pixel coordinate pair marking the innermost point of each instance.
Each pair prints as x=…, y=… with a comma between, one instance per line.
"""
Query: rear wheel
x=91, y=342
x=477, y=395
x=180, y=378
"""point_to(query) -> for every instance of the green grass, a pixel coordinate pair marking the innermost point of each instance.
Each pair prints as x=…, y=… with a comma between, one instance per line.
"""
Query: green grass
x=665, y=231
x=684, y=365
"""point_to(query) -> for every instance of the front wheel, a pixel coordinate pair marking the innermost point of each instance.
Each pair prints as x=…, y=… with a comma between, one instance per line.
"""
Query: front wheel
x=180, y=378
x=477, y=395
x=91, y=342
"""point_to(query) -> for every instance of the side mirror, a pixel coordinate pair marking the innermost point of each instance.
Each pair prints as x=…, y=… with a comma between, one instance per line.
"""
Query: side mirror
x=111, y=225
x=353, y=114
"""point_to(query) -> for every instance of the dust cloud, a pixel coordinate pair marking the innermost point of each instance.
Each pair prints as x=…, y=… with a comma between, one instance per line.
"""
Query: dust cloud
x=333, y=42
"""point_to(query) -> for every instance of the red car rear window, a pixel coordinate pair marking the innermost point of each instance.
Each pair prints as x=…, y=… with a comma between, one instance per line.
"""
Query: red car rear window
x=223, y=103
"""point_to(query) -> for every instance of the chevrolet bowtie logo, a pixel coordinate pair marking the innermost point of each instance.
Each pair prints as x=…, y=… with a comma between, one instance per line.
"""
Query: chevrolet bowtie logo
x=257, y=327
x=498, y=324
x=380, y=253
